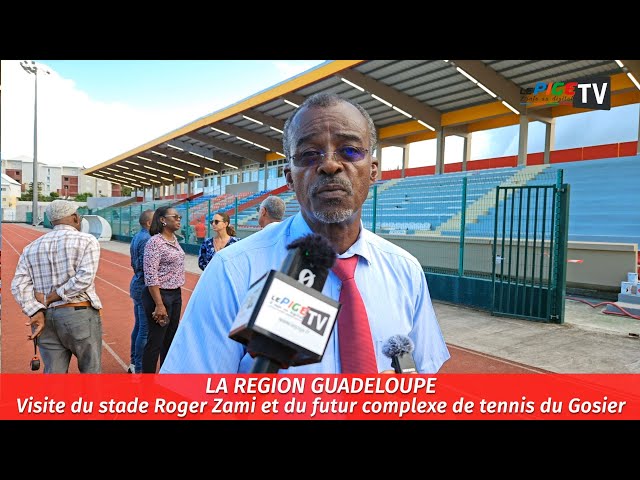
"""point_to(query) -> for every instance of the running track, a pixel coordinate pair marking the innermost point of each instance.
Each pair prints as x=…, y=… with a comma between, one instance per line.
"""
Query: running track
x=112, y=286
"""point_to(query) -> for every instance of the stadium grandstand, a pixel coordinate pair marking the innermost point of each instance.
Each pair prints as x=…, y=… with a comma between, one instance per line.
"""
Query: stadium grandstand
x=537, y=221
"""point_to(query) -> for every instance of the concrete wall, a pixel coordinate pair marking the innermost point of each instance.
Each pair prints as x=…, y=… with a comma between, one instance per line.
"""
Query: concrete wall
x=23, y=207
x=104, y=202
x=596, y=266
x=242, y=187
x=591, y=266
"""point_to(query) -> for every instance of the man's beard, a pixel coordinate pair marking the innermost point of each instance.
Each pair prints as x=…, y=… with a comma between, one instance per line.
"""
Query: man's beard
x=338, y=215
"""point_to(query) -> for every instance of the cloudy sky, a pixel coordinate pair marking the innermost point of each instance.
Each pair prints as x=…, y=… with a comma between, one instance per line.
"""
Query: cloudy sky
x=91, y=111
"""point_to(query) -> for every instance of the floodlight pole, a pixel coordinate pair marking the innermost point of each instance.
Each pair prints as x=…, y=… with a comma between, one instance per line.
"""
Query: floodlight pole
x=31, y=67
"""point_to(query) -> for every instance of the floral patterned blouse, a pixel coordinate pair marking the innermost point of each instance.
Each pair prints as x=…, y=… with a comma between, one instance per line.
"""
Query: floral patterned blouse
x=207, y=251
x=163, y=263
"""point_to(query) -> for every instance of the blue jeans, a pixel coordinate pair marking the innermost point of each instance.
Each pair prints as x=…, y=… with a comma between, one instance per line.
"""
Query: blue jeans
x=138, y=335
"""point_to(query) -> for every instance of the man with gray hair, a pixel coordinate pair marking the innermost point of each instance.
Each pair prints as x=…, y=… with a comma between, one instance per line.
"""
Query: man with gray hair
x=271, y=210
x=54, y=286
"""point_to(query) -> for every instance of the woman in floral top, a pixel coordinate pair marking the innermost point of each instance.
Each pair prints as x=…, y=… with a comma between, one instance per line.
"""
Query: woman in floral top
x=163, y=262
x=223, y=235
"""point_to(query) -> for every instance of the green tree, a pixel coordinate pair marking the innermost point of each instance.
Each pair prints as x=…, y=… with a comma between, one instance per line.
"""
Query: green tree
x=82, y=197
x=126, y=191
x=28, y=195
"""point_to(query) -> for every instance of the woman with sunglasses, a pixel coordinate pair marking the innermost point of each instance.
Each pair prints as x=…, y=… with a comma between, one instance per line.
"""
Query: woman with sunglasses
x=223, y=235
x=163, y=264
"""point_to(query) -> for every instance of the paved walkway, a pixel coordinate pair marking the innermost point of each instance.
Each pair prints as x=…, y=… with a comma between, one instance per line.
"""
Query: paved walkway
x=588, y=342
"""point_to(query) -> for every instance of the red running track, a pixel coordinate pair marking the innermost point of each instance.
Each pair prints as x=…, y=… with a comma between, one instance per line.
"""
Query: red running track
x=112, y=285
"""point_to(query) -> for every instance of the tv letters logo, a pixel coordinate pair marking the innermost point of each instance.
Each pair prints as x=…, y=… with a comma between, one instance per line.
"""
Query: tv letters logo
x=593, y=93
x=316, y=320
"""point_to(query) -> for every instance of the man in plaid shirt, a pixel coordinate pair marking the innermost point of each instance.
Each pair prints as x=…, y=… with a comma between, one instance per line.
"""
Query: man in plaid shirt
x=54, y=286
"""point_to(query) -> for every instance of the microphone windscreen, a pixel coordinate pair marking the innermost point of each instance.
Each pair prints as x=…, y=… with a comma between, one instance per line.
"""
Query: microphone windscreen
x=397, y=345
x=316, y=250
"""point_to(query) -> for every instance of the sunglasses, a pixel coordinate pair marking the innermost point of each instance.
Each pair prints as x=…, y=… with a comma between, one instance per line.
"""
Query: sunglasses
x=216, y=221
x=345, y=154
x=178, y=217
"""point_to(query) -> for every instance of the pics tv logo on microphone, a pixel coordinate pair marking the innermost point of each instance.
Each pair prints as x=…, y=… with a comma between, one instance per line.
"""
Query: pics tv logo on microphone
x=313, y=319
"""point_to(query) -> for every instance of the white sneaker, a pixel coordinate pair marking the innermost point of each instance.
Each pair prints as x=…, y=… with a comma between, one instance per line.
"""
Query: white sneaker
x=131, y=369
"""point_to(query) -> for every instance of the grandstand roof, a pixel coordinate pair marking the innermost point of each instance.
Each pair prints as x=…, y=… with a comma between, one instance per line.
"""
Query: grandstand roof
x=409, y=101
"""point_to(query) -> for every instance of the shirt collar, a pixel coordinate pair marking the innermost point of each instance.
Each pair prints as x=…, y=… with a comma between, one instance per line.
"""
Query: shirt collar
x=299, y=228
x=64, y=227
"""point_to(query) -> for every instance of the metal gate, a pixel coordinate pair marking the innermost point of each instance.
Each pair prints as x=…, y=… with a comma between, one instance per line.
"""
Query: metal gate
x=530, y=251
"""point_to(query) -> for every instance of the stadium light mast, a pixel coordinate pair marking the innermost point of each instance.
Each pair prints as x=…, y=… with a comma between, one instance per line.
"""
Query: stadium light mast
x=31, y=67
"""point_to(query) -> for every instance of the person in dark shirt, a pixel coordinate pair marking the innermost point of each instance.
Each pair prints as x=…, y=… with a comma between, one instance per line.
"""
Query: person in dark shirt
x=140, y=327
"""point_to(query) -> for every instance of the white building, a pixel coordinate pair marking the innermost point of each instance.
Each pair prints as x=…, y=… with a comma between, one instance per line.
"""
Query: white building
x=67, y=181
x=11, y=190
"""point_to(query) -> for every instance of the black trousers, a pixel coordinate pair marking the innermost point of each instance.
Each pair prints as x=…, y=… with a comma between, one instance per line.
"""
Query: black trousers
x=160, y=338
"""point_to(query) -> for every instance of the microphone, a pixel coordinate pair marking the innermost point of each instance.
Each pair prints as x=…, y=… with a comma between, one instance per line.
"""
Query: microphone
x=399, y=349
x=285, y=320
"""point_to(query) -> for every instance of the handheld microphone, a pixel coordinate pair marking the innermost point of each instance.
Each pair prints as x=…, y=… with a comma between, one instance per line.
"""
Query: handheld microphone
x=399, y=349
x=285, y=320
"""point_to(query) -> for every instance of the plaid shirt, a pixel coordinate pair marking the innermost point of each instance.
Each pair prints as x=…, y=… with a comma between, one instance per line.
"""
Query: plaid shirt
x=64, y=260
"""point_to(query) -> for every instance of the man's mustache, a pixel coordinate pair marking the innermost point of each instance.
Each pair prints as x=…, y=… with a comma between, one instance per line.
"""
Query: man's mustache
x=345, y=184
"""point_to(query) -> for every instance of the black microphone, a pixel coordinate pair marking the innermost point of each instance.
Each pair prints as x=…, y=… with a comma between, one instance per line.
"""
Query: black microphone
x=399, y=349
x=285, y=320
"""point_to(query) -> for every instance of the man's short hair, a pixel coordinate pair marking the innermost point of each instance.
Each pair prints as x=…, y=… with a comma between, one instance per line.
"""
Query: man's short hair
x=325, y=100
x=274, y=206
x=145, y=217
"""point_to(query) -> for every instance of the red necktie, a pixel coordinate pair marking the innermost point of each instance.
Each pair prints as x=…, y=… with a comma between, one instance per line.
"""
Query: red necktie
x=354, y=334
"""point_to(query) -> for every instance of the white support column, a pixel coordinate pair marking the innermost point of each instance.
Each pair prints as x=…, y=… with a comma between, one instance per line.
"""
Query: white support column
x=440, y=151
x=265, y=175
x=523, y=137
x=405, y=160
x=378, y=155
x=549, y=139
x=466, y=151
x=638, y=145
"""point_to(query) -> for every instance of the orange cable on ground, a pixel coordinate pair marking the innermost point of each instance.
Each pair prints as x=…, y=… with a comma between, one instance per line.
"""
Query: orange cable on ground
x=623, y=314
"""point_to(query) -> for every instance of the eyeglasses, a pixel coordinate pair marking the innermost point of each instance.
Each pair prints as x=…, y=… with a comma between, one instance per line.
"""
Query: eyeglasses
x=178, y=217
x=313, y=157
x=216, y=221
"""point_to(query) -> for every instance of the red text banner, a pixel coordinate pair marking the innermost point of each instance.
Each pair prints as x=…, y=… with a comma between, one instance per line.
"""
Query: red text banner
x=320, y=397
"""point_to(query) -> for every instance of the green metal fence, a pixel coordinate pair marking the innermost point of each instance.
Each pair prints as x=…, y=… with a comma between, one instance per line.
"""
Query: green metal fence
x=529, y=248
x=449, y=224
